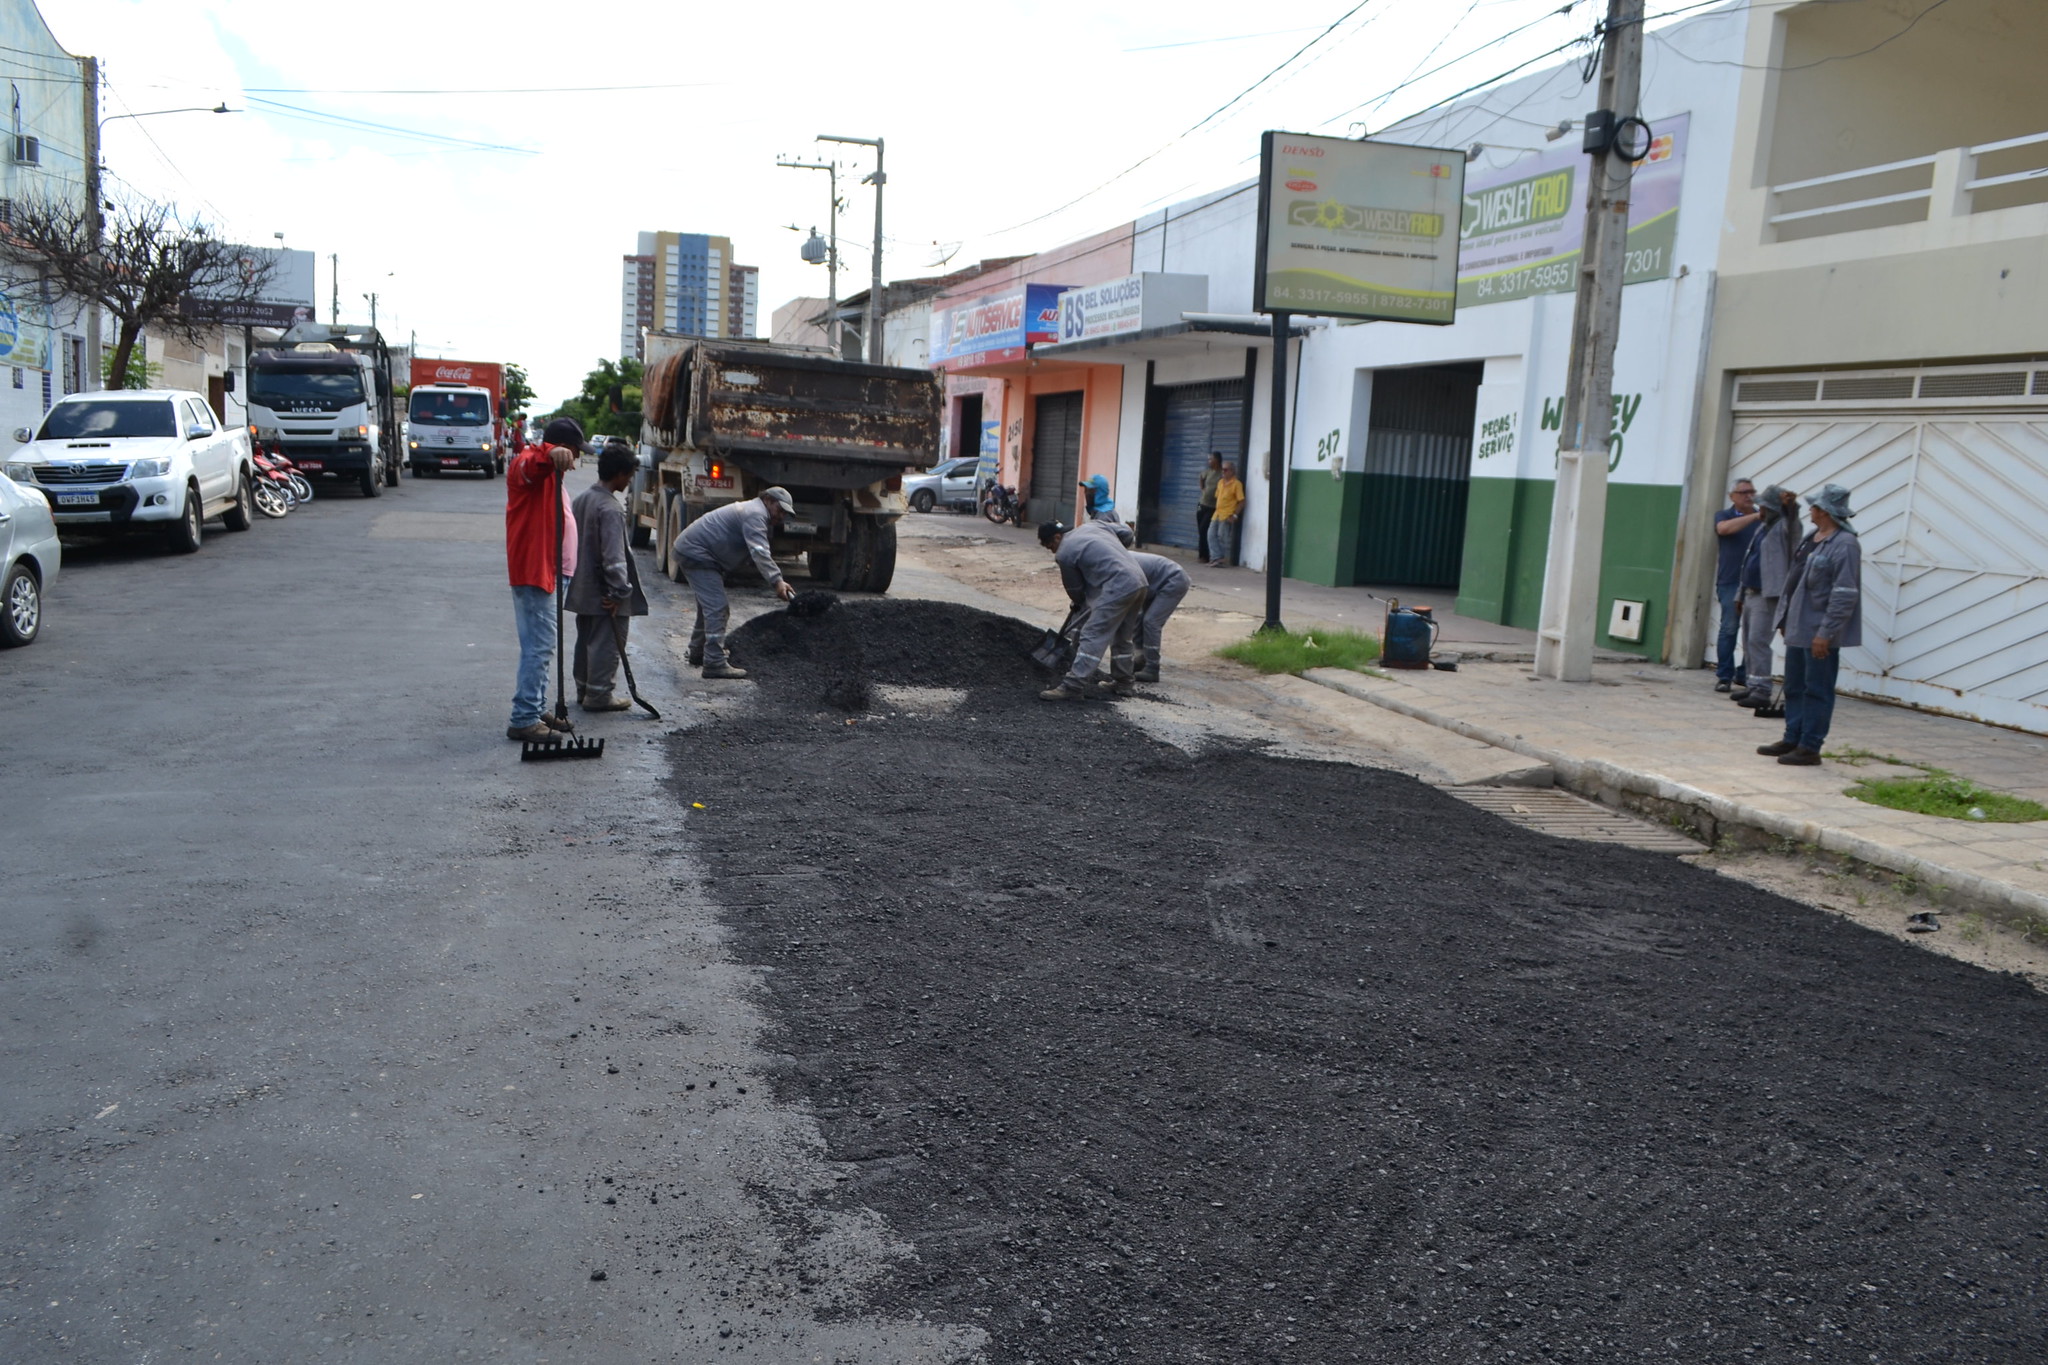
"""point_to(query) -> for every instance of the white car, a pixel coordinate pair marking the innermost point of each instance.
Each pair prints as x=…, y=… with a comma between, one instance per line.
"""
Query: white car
x=29, y=560
x=151, y=460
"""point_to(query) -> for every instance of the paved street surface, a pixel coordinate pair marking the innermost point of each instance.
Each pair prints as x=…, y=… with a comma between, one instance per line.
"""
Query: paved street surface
x=873, y=1011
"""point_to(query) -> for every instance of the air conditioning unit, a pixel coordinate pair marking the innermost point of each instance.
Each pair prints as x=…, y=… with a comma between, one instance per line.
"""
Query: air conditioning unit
x=28, y=151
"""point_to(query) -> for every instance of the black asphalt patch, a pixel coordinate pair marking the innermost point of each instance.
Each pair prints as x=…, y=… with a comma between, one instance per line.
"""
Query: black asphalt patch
x=1238, y=1058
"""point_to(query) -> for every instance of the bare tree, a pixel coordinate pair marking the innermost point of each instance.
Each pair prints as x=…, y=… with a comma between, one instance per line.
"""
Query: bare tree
x=147, y=264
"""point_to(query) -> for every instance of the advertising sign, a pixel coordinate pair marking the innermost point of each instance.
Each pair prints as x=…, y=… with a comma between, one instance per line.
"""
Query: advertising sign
x=1132, y=304
x=1357, y=229
x=286, y=297
x=997, y=326
x=24, y=332
x=484, y=374
x=1523, y=225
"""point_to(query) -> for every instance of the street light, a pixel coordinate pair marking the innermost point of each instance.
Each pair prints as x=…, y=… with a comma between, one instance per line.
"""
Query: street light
x=830, y=254
x=221, y=108
x=877, y=179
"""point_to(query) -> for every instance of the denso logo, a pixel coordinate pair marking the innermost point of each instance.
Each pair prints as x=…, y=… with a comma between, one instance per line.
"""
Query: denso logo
x=1301, y=186
x=456, y=373
x=1290, y=150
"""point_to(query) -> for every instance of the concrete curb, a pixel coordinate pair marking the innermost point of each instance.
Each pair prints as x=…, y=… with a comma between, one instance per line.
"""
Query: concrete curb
x=1612, y=783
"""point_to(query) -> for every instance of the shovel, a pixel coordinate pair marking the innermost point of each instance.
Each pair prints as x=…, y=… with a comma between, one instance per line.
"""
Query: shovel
x=632, y=688
x=1055, y=649
x=573, y=746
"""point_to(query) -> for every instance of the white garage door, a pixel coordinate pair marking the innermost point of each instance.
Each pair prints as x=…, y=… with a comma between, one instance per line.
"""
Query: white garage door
x=1948, y=471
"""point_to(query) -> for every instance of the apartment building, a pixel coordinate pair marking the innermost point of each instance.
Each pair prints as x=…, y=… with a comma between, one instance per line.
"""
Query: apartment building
x=685, y=282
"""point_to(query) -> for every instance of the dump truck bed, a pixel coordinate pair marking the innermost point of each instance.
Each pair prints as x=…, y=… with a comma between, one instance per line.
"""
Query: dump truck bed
x=790, y=416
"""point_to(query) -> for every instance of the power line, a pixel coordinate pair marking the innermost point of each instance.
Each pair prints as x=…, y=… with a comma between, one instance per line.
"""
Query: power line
x=1803, y=66
x=1205, y=119
x=1544, y=18
x=344, y=121
x=496, y=90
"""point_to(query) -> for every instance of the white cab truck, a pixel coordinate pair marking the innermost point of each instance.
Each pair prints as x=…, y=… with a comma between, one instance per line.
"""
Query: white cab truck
x=324, y=396
x=451, y=426
x=726, y=419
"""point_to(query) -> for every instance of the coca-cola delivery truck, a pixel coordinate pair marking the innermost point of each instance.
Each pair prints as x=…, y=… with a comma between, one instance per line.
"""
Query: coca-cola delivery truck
x=453, y=415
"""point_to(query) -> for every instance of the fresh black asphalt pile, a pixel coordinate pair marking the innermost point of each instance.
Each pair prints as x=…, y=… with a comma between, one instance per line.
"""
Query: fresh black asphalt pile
x=1238, y=1058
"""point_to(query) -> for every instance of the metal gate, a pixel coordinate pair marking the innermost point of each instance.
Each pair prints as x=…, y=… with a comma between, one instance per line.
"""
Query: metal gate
x=1418, y=470
x=1196, y=421
x=1055, y=457
x=1948, y=472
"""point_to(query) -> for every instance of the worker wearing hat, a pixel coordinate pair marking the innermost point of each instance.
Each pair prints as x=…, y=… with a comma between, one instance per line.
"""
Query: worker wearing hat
x=1820, y=615
x=716, y=543
x=1096, y=570
x=1102, y=507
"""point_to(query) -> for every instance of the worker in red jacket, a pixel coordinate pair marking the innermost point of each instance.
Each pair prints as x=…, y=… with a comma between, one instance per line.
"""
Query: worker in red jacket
x=539, y=544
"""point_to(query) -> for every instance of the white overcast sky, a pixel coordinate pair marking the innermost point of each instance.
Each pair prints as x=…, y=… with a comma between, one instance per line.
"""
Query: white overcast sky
x=994, y=113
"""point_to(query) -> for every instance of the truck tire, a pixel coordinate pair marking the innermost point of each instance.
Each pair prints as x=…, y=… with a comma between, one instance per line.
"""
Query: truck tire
x=371, y=482
x=882, y=564
x=852, y=564
x=242, y=515
x=678, y=518
x=819, y=562
x=186, y=536
x=390, y=464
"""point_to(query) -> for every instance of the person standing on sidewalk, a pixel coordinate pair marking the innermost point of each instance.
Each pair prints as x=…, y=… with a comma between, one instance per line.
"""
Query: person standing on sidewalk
x=721, y=540
x=1821, y=614
x=1736, y=525
x=1205, y=505
x=1764, y=570
x=605, y=593
x=540, y=543
x=1223, y=526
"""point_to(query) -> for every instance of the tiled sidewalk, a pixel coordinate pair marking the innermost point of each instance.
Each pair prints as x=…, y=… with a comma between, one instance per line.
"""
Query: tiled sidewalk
x=1642, y=732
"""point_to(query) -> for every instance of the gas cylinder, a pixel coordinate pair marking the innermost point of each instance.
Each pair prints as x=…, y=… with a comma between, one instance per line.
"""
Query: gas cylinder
x=1410, y=633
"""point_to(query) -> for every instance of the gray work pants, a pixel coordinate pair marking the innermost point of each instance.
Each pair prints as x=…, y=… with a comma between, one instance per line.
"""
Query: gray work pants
x=707, y=637
x=1109, y=628
x=597, y=656
x=1758, y=611
x=1153, y=625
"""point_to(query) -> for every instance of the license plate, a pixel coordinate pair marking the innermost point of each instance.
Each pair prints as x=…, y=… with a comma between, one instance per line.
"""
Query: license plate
x=78, y=499
x=311, y=464
x=451, y=459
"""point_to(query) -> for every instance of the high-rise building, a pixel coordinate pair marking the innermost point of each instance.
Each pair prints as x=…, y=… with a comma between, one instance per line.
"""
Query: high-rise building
x=744, y=291
x=636, y=307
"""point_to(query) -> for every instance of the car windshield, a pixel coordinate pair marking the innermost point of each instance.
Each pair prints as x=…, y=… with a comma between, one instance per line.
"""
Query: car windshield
x=110, y=417
x=435, y=408
x=327, y=390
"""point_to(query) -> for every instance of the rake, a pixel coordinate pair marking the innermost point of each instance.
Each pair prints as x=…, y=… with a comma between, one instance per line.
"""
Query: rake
x=571, y=745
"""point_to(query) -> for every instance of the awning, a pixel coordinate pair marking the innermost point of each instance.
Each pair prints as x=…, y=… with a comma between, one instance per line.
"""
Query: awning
x=1194, y=334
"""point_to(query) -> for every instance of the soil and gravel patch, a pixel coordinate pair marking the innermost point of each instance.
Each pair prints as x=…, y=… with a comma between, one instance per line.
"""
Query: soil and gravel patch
x=1230, y=1057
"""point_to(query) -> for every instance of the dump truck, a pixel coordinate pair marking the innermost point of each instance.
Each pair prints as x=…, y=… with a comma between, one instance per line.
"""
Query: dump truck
x=722, y=420
x=323, y=396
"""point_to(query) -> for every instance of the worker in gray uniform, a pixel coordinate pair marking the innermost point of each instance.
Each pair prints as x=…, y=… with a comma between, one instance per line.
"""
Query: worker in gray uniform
x=1096, y=570
x=717, y=542
x=1165, y=584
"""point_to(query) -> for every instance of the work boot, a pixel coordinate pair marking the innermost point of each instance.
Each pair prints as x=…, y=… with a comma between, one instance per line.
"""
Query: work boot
x=1800, y=758
x=535, y=733
x=1064, y=692
x=1148, y=674
x=561, y=723
x=716, y=671
x=609, y=704
x=695, y=658
x=1724, y=686
x=1740, y=696
x=1783, y=746
x=1117, y=687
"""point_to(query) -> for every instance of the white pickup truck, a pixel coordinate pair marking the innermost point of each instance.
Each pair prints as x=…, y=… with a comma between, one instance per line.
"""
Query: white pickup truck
x=132, y=460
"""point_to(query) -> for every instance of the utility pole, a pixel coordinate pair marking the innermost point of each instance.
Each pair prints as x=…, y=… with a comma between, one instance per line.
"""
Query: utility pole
x=1578, y=515
x=878, y=179
x=334, y=271
x=89, y=69
x=373, y=310
x=831, y=168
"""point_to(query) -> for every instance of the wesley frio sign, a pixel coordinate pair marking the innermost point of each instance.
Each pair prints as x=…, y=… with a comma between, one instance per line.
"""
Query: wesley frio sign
x=1358, y=229
x=1523, y=225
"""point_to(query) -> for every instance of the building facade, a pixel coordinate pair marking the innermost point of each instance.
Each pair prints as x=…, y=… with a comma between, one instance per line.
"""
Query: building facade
x=743, y=291
x=636, y=306
x=48, y=343
x=685, y=282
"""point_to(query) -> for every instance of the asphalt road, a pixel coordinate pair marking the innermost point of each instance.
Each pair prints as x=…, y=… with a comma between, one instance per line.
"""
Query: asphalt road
x=335, y=1033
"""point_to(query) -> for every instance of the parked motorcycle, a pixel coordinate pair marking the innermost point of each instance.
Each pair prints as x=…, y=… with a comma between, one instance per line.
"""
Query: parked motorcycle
x=272, y=487
x=999, y=503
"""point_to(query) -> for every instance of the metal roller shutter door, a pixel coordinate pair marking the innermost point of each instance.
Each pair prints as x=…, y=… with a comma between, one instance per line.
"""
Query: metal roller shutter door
x=1198, y=419
x=1055, y=457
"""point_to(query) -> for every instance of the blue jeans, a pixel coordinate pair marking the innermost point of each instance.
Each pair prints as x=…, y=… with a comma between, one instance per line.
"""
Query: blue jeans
x=534, y=611
x=1728, y=666
x=1809, y=696
x=1222, y=541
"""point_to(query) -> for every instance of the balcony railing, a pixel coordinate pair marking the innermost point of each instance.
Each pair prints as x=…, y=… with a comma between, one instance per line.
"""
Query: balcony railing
x=1954, y=183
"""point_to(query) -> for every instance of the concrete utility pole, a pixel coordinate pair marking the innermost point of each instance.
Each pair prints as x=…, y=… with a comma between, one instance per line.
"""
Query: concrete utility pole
x=89, y=70
x=334, y=270
x=831, y=168
x=877, y=179
x=1578, y=515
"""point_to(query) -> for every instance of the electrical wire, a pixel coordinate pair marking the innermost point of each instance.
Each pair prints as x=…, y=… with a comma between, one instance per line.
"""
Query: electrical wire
x=494, y=90
x=1204, y=120
x=345, y=121
x=1803, y=66
x=1544, y=18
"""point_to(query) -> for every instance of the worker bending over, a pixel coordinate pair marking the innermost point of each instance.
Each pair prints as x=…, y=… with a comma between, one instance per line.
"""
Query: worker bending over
x=717, y=542
x=1097, y=570
x=1165, y=584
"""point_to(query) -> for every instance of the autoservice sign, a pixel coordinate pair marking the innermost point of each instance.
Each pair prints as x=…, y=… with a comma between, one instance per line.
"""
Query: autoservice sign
x=997, y=326
x=1358, y=229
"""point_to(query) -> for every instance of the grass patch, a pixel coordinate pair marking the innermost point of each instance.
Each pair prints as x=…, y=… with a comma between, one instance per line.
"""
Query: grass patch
x=1951, y=797
x=1291, y=651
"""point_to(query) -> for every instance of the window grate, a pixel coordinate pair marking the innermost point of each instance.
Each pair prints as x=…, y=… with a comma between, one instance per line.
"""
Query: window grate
x=1982, y=384
x=1777, y=391
x=1863, y=389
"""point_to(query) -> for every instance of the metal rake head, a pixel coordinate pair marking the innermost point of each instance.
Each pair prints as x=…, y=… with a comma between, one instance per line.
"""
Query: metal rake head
x=534, y=751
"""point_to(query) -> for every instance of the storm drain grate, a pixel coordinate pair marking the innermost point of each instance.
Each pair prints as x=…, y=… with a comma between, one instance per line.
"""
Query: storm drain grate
x=1550, y=811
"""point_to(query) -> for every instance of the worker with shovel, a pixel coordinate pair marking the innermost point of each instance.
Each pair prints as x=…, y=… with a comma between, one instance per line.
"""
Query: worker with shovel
x=539, y=543
x=1100, y=573
x=605, y=593
x=1166, y=583
x=721, y=540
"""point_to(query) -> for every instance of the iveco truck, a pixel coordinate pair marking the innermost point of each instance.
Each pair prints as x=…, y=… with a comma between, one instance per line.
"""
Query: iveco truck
x=324, y=395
